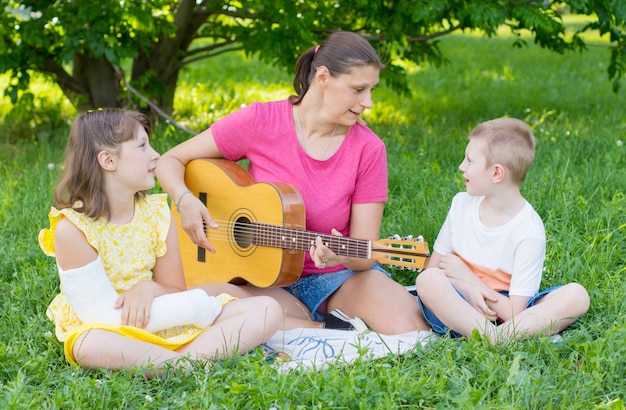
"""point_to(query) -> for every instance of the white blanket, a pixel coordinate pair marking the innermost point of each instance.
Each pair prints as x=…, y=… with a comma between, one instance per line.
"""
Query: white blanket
x=316, y=348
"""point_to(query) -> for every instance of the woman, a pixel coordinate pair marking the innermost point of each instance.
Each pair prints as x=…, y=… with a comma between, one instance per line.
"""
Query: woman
x=317, y=142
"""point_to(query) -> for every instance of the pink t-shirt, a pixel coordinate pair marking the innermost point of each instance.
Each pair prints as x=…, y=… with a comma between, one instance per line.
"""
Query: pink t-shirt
x=356, y=174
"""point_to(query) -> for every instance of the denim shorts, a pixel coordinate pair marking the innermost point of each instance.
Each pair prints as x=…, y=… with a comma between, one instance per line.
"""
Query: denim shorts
x=314, y=289
x=439, y=327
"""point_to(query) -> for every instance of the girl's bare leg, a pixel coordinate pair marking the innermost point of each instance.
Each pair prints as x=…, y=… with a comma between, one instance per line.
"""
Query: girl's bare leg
x=295, y=314
x=242, y=325
x=108, y=350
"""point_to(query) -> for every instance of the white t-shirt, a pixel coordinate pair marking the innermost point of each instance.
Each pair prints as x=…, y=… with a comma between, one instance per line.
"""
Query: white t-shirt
x=513, y=252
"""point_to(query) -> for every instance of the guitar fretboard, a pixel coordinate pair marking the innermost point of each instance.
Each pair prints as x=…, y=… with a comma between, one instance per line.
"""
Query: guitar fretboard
x=301, y=240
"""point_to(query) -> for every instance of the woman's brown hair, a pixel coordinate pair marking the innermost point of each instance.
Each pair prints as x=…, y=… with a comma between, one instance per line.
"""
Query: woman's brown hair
x=341, y=52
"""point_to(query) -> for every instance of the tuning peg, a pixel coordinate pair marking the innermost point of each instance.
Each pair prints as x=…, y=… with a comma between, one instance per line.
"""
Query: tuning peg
x=397, y=237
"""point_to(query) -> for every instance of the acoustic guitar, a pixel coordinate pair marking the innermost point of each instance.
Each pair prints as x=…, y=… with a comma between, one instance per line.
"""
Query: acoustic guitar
x=261, y=238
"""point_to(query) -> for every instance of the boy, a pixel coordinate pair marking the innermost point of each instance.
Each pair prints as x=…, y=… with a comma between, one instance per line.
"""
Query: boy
x=486, y=267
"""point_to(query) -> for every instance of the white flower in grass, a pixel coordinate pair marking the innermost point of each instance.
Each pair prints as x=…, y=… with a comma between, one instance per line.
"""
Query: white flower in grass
x=148, y=398
x=619, y=143
x=51, y=166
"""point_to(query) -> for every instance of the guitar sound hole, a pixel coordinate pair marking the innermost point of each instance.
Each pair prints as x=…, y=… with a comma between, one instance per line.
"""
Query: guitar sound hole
x=243, y=232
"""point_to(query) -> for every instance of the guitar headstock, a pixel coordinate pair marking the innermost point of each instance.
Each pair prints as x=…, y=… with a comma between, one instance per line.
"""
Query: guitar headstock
x=404, y=252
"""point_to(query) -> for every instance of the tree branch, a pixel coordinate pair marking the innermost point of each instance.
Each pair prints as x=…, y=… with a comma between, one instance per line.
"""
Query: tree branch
x=205, y=12
x=205, y=56
x=415, y=39
x=152, y=105
x=212, y=47
x=62, y=78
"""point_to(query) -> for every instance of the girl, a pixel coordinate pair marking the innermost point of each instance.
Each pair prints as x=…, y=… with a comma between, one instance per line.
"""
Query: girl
x=109, y=235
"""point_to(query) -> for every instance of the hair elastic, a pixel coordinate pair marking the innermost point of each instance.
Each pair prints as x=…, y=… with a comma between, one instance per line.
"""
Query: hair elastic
x=316, y=48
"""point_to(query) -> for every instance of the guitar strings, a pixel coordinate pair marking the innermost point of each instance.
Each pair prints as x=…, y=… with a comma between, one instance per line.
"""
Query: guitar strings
x=258, y=233
x=260, y=230
x=272, y=230
x=247, y=234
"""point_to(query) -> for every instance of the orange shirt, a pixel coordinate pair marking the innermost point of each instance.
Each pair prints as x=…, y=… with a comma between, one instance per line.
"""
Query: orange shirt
x=496, y=279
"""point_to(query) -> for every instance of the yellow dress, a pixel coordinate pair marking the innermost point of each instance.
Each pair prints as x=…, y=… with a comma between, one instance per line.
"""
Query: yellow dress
x=129, y=253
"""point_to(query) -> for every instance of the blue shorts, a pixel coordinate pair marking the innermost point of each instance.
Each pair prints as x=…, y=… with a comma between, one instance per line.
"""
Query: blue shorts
x=314, y=289
x=439, y=327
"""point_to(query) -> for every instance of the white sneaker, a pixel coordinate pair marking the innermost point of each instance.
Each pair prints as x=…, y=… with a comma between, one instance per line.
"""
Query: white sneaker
x=340, y=321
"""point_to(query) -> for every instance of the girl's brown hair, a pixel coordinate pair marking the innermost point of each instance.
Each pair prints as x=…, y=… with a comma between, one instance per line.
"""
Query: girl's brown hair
x=92, y=132
x=341, y=52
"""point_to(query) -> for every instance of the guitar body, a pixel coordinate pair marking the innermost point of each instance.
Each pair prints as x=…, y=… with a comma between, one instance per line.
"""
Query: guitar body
x=236, y=201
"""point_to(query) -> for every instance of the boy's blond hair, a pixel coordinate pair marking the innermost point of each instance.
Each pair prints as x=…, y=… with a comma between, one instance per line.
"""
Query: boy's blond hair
x=509, y=142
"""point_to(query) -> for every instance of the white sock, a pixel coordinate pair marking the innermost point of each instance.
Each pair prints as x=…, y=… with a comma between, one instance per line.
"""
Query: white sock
x=93, y=298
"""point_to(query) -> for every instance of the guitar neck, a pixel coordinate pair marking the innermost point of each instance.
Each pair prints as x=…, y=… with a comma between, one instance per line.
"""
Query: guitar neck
x=301, y=240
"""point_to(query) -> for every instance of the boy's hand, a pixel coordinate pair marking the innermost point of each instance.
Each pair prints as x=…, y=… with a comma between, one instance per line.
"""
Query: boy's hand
x=476, y=293
x=479, y=299
x=455, y=268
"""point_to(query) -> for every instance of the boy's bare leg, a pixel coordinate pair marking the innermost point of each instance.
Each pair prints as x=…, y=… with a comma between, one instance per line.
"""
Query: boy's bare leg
x=552, y=313
x=438, y=294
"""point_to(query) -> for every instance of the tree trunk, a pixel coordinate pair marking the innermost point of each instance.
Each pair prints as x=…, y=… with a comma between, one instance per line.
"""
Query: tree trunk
x=162, y=61
x=98, y=78
x=158, y=87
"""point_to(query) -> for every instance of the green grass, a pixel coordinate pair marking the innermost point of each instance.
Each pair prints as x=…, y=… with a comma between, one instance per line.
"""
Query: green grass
x=577, y=185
